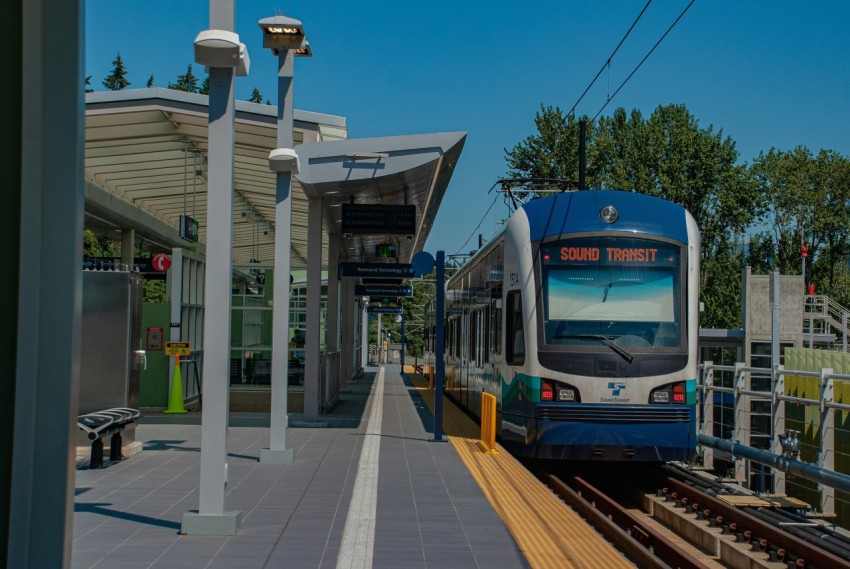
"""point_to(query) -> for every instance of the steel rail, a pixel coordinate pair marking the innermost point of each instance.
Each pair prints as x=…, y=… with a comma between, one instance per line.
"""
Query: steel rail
x=639, y=542
x=763, y=535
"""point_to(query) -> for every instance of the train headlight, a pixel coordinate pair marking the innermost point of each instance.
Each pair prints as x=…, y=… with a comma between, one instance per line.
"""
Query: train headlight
x=566, y=395
x=609, y=214
x=661, y=397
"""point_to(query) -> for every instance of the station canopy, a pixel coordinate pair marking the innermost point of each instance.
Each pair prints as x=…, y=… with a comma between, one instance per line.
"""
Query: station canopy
x=146, y=164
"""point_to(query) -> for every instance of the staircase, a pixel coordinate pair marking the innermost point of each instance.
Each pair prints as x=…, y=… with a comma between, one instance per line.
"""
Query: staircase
x=827, y=320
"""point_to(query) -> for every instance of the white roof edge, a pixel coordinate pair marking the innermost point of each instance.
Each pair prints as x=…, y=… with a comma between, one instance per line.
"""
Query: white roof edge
x=203, y=100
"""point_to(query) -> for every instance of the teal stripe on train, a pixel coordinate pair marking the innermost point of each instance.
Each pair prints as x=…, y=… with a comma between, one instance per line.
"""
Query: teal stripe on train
x=528, y=385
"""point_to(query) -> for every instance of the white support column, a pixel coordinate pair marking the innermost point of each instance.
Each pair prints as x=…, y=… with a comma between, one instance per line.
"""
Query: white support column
x=211, y=518
x=826, y=442
x=277, y=452
x=44, y=185
x=742, y=419
x=778, y=412
x=333, y=316
x=174, y=288
x=708, y=411
x=314, y=304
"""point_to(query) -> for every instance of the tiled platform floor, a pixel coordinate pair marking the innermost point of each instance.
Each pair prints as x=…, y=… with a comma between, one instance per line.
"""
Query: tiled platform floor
x=428, y=512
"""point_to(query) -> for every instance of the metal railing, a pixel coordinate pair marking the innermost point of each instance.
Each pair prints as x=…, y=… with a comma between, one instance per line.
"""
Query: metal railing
x=824, y=316
x=743, y=395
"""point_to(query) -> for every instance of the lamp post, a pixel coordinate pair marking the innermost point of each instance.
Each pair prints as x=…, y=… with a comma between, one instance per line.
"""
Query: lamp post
x=220, y=50
x=285, y=37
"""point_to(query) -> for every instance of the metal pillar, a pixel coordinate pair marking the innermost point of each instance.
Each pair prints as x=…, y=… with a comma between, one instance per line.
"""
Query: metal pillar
x=211, y=518
x=279, y=422
x=314, y=306
x=440, y=316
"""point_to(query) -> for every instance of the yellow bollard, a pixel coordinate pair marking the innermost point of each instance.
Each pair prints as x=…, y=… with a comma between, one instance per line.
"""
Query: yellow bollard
x=488, y=424
x=175, y=398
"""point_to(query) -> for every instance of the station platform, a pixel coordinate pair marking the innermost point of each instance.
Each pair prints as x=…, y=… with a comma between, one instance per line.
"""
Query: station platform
x=369, y=490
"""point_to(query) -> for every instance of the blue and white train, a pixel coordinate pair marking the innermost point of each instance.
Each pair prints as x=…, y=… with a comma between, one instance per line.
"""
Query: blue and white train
x=581, y=317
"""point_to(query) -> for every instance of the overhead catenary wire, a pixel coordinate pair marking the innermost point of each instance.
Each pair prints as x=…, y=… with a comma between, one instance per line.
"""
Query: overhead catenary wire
x=673, y=25
x=610, y=57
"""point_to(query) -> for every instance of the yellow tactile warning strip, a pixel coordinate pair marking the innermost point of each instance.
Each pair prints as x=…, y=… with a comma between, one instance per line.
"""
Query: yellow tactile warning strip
x=548, y=532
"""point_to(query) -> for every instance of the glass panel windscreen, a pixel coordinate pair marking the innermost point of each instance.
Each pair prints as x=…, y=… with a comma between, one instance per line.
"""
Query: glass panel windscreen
x=626, y=289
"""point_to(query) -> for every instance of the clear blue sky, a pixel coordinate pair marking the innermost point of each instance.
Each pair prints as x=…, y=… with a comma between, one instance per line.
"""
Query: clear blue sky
x=769, y=74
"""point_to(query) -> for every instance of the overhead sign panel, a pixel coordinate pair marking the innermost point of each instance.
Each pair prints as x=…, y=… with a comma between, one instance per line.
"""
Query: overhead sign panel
x=378, y=219
x=383, y=290
x=376, y=270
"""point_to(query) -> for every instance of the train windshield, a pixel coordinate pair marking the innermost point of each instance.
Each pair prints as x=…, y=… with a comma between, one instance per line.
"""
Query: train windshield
x=619, y=290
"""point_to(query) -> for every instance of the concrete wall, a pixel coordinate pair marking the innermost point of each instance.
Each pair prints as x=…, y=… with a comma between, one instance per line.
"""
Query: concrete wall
x=757, y=307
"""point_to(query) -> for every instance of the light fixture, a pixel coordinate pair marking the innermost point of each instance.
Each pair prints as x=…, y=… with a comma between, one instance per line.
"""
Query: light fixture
x=282, y=32
x=283, y=160
x=305, y=50
x=222, y=48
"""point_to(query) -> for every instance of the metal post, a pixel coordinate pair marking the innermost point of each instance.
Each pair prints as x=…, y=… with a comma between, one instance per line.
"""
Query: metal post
x=440, y=317
x=826, y=442
x=380, y=340
x=582, y=160
x=402, y=341
x=778, y=421
x=211, y=518
x=364, y=334
x=279, y=421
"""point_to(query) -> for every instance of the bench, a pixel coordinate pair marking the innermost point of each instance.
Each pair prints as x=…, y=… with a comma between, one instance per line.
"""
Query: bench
x=109, y=422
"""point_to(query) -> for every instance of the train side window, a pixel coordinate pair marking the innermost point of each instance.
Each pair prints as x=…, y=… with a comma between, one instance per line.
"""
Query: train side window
x=515, y=335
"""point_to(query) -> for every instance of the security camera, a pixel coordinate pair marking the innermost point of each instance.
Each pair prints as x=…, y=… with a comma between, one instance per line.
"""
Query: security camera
x=283, y=160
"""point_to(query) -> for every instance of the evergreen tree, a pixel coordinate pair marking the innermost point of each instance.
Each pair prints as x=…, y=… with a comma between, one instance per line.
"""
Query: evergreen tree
x=205, y=87
x=88, y=85
x=268, y=101
x=150, y=81
x=187, y=82
x=117, y=80
x=256, y=96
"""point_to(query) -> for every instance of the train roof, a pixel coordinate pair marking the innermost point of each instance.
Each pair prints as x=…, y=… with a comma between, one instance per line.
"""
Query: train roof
x=579, y=211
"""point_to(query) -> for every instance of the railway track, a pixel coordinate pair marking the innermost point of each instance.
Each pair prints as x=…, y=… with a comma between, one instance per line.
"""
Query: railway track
x=725, y=535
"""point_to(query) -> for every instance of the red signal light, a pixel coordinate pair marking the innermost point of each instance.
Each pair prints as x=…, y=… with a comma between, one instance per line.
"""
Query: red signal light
x=547, y=392
x=805, y=251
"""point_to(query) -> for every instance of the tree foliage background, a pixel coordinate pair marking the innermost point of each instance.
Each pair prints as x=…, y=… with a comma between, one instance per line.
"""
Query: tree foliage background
x=755, y=214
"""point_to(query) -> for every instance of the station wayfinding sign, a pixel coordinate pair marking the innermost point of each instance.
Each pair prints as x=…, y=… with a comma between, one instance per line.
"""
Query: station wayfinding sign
x=384, y=309
x=378, y=219
x=376, y=270
x=383, y=291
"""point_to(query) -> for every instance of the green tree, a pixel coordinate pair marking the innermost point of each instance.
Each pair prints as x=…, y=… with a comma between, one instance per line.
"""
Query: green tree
x=808, y=199
x=149, y=84
x=117, y=80
x=205, y=86
x=88, y=85
x=256, y=96
x=187, y=82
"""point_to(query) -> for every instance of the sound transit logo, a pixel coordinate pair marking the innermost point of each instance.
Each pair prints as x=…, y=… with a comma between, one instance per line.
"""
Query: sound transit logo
x=616, y=388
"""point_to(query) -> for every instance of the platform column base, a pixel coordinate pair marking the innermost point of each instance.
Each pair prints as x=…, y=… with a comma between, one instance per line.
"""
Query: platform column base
x=211, y=524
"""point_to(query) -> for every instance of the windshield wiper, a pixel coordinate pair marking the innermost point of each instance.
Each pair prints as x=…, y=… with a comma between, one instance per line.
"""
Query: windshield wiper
x=608, y=341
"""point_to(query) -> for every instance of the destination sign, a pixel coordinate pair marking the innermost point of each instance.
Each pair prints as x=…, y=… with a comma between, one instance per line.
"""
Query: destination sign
x=377, y=219
x=608, y=254
x=384, y=309
x=383, y=290
x=376, y=270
